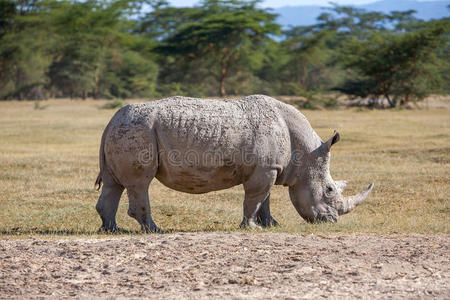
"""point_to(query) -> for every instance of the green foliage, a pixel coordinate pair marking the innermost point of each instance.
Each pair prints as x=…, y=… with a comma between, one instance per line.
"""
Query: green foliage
x=127, y=74
x=82, y=36
x=310, y=60
x=401, y=68
x=23, y=57
x=92, y=55
x=75, y=49
x=316, y=101
x=222, y=39
x=113, y=49
x=114, y=104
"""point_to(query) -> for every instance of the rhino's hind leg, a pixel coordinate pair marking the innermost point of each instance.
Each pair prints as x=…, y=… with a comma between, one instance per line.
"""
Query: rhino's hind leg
x=257, y=190
x=108, y=203
x=263, y=217
x=140, y=208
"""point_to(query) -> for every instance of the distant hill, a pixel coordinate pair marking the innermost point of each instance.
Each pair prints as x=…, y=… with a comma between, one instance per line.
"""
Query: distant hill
x=306, y=15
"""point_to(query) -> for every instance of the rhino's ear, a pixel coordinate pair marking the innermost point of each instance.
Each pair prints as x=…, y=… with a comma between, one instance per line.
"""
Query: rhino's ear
x=333, y=140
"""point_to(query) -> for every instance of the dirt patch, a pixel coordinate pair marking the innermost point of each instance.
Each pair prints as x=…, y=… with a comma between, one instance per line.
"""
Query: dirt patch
x=228, y=265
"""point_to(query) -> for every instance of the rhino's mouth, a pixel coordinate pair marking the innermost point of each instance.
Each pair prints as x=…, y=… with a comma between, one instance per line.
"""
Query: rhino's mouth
x=326, y=218
x=331, y=215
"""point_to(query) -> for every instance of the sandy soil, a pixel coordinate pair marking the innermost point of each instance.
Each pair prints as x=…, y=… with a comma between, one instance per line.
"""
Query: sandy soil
x=228, y=265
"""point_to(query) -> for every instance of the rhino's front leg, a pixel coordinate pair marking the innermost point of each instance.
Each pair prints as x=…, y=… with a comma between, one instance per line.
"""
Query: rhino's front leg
x=263, y=217
x=257, y=190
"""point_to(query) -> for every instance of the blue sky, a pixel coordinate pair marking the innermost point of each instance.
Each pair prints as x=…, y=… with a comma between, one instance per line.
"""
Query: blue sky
x=278, y=3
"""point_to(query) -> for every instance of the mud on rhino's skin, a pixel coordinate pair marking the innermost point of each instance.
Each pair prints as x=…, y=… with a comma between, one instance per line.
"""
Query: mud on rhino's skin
x=200, y=145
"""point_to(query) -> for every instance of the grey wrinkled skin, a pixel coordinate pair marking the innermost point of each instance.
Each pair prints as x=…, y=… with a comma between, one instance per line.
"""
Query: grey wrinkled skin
x=200, y=145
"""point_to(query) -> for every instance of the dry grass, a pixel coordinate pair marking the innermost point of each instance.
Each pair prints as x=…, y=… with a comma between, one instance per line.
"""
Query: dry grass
x=49, y=161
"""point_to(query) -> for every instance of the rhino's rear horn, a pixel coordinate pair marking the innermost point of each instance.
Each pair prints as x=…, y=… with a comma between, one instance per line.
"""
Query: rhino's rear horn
x=349, y=203
x=341, y=184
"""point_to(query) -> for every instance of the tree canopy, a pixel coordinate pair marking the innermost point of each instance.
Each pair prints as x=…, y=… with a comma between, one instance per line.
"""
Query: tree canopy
x=147, y=48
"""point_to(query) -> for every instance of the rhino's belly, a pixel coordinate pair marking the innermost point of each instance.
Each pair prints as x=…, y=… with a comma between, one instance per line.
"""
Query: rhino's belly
x=199, y=179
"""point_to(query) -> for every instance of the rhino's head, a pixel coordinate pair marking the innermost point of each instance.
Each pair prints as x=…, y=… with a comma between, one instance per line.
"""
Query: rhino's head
x=316, y=196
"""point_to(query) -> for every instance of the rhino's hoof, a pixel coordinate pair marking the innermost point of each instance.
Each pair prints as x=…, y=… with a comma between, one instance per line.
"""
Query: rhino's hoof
x=268, y=222
x=113, y=229
x=152, y=229
x=249, y=224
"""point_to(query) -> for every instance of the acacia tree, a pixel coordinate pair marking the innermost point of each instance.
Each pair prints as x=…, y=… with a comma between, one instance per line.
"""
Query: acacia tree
x=84, y=31
x=163, y=20
x=309, y=58
x=226, y=33
x=348, y=21
x=399, y=67
x=23, y=50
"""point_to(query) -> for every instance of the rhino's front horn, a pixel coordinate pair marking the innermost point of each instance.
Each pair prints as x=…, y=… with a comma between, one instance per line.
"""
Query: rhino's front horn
x=349, y=203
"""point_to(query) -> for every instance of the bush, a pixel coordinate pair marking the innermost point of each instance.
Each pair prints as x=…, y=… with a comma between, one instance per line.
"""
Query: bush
x=114, y=104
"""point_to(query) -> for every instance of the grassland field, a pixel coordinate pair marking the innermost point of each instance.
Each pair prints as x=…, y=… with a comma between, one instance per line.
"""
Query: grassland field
x=49, y=162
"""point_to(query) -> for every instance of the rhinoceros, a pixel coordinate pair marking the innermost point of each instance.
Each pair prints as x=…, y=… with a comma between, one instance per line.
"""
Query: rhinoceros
x=202, y=145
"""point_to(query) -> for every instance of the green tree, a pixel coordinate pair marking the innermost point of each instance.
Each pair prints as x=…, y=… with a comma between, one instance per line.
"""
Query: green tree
x=85, y=30
x=23, y=49
x=399, y=67
x=127, y=74
x=310, y=64
x=95, y=53
x=227, y=34
x=163, y=20
x=347, y=21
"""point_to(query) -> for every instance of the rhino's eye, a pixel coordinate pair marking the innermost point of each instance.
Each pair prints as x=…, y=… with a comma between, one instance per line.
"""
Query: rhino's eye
x=329, y=191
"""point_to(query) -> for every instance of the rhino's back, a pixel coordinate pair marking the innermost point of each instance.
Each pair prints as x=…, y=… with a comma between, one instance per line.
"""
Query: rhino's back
x=215, y=124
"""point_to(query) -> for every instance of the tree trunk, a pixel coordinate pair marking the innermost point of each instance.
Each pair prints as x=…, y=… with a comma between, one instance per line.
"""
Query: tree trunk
x=95, y=92
x=222, y=91
x=304, y=77
x=391, y=104
x=96, y=80
x=223, y=75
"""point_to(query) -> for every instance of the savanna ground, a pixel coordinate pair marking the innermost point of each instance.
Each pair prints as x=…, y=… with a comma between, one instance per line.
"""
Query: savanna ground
x=395, y=244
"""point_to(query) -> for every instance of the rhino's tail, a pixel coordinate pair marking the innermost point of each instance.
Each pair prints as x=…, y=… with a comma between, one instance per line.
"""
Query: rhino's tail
x=98, y=181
